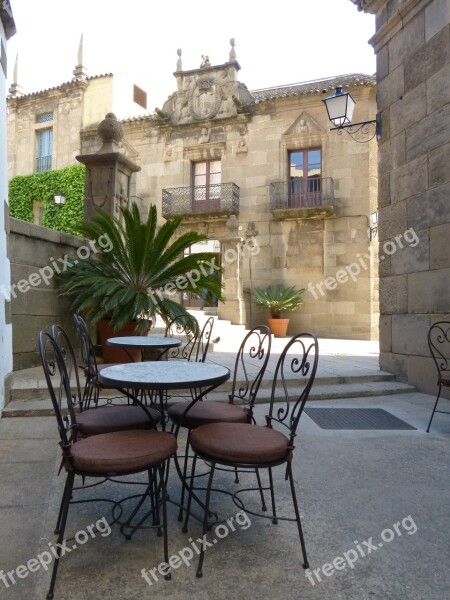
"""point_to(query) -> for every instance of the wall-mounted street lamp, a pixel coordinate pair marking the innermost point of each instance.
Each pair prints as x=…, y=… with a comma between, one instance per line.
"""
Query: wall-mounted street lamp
x=340, y=107
x=374, y=225
x=59, y=199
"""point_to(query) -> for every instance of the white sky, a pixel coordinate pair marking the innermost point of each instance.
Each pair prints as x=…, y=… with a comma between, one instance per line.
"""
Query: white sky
x=277, y=43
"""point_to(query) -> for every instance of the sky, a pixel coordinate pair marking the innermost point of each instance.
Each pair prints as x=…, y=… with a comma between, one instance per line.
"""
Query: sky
x=284, y=42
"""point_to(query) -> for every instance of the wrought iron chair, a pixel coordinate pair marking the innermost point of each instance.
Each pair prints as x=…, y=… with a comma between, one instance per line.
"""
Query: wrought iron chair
x=253, y=447
x=254, y=351
x=439, y=345
x=186, y=326
x=102, y=456
x=99, y=419
x=200, y=350
x=92, y=387
x=253, y=354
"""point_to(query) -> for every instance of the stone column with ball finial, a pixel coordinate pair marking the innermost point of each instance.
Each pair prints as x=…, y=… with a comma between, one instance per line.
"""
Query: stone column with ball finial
x=108, y=172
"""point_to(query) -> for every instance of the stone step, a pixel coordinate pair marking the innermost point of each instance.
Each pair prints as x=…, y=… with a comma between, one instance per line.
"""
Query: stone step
x=334, y=391
x=33, y=388
x=321, y=391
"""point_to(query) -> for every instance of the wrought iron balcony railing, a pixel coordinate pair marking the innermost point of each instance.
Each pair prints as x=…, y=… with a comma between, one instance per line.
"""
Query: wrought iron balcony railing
x=302, y=193
x=43, y=163
x=201, y=199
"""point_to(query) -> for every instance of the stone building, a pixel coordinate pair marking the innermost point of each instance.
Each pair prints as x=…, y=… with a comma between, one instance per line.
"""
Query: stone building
x=412, y=44
x=281, y=197
x=7, y=30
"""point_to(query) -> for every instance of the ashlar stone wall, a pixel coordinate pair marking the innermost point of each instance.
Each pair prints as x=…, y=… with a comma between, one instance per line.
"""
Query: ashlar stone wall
x=412, y=44
x=36, y=253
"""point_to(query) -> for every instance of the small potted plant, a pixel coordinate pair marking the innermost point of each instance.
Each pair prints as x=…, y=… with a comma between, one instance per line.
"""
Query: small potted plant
x=278, y=298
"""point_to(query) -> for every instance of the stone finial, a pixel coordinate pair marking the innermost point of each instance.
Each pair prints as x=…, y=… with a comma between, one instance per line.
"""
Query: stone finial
x=80, y=51
x=80, y=72
x=110, y=132
x=233, y=57
x=205, y=62
x=15, y=89
x=16, y=68
x=232, y=225
x=179, y=64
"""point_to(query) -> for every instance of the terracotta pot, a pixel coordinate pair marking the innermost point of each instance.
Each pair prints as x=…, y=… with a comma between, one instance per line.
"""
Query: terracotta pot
x=278, y=327
x=116, y=355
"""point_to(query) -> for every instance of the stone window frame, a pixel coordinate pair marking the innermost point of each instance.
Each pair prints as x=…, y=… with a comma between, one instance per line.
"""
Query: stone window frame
x=39, y=127
x=297, y=142
x=200, y=153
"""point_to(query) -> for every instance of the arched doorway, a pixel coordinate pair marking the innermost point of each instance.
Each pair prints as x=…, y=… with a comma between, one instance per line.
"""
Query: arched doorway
x=201, y=298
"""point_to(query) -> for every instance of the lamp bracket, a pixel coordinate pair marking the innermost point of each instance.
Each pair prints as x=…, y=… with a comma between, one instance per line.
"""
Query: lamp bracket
x=365, y=128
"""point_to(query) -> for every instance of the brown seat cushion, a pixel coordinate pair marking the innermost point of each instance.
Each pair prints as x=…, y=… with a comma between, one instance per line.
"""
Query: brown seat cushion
x=445, y=378
x=204, y=412
x=115, y=418
x=122, y=452
x=240, y=443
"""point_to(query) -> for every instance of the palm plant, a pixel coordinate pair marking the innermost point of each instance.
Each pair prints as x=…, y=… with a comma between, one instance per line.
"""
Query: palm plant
x=278, y=297
x=132, y=281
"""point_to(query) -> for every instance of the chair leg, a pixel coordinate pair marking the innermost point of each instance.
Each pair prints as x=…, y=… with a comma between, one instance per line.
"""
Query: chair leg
x=434, y=408
x=62, y=528
x=185, y=466
x=261, y=493
x=236, y=475
x=154, y=497
x=63, y=501
x=191, y=485
x=161, y=470
x=297, y=516
x=272, y=497
x=205, y=519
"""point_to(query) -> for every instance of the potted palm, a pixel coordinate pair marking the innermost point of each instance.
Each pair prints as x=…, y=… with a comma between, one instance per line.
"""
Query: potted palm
x=278, y=298
x=139, y=273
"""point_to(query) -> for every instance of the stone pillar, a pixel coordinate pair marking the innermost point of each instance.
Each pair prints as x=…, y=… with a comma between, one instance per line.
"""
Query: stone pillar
x=108, y=172
x=233, y=307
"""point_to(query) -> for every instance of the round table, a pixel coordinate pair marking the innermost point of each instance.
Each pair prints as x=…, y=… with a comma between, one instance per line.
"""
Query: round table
x=143, y=342
x=159, y=376
x=167, y=375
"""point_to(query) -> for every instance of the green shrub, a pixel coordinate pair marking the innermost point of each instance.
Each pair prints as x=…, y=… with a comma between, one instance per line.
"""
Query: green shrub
x=41, y=187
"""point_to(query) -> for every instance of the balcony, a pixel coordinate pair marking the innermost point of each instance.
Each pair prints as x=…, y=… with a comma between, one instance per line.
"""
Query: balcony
x=43, y=163
x=219, y=199
x=302, y=198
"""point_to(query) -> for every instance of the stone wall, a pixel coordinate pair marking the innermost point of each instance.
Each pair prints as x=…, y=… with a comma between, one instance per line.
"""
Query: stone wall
x=35, y=304
x=412, y=44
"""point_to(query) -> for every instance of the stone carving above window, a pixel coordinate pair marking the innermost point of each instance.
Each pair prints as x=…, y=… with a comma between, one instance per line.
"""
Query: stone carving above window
x=304, y=123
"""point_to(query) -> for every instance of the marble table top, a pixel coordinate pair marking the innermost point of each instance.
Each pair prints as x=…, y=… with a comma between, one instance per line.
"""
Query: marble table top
x=164, y=375
x=144, y=341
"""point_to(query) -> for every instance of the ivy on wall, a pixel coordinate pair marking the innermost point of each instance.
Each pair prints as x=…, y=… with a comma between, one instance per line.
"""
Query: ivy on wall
x=24, y=190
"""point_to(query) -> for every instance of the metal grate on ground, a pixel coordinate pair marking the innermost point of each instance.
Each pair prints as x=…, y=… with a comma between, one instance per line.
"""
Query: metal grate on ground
x=356, y=418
